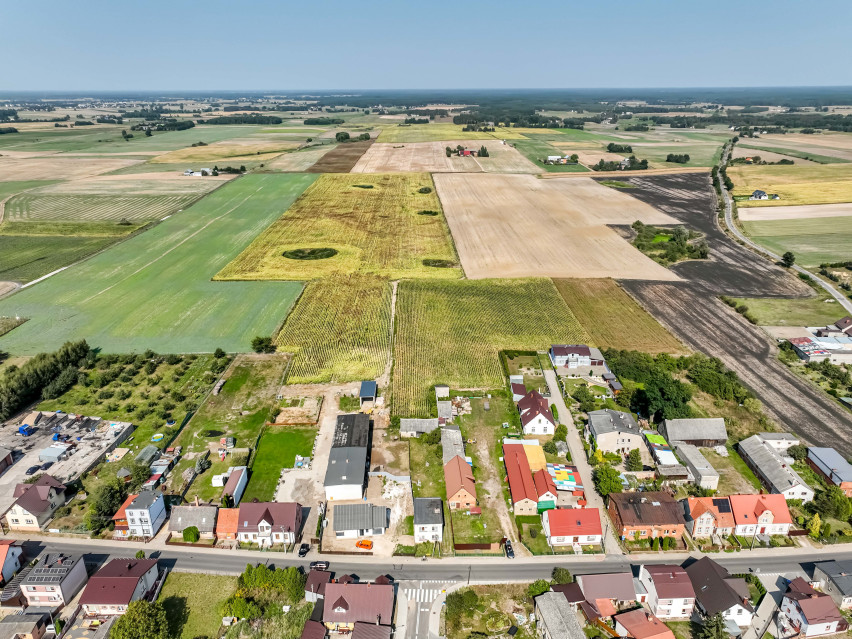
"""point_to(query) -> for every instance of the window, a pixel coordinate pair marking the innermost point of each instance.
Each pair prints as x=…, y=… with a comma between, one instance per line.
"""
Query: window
x=14, y=521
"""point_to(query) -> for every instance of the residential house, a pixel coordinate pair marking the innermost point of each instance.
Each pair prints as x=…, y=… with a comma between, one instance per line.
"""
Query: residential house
x=832, y=466
x=521, y=484
x=121, y=529
x=698, y=432
x=809, y=612
x=315, y=584
x=146, y=514
x=236, y=484
x=774, y=473
x=518, y=388
x=54, y=581
x=570, y=526
x=227, y=523
x=545, y=488
x=670, y=593
x=605, y=593
x=116, y=584
x=575, y=356
x=346, y=475
x=758, y=195
x=25, y=625
x=708, y=516
x=368, y=392
x=536, y=417
x=428, y=520
x=641, y=624
x=416, y=427
x=555, y=618
x=269, y=523
x=611, y=431
x=835, y=579
x=841, y=327
x=702, y=474
x=760, y=515
x=35, y=504
x=461, y=486
x=716, y=591
x=349, y=603
x=645, y=515
x=359, y=520
x=5, y=459
x=11, y=554
x=201, y=517
x=780, y=442
x=313, y=629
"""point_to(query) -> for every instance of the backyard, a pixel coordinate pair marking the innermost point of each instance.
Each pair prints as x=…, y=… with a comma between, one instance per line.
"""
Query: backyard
x=278, y=448
x=192, y=603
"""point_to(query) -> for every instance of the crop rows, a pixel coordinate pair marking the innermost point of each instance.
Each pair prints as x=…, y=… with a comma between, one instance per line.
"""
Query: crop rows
x=451, y=332
x=339, y=330
x=92, y=208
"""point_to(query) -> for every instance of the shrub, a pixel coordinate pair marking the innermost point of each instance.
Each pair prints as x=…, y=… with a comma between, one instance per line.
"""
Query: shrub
x=191, y=534
x=550, y=447
x=424, y=189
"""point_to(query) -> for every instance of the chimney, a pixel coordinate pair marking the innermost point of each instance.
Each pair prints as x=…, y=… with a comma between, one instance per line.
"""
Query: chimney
x=196, y=500
x=648, y=616
x=378, y=620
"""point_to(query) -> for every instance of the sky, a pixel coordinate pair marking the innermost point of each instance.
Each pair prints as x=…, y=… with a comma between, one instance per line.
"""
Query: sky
x=442, y=44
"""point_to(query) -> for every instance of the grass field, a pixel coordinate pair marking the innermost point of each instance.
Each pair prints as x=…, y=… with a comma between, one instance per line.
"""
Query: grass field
x=392, y=132
x=809, y=311
x=537, y=149
x=450, y=332
x=339, y=330
x=812, y=241
x=277, y=449
x=154, y=291
x=793, y=153
x=192, y=603
x=375, y=230
x=613, y=319
x=812, y=184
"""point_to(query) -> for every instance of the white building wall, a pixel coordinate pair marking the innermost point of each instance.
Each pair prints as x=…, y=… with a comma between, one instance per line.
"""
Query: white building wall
x=539, y=426
x=344, y=492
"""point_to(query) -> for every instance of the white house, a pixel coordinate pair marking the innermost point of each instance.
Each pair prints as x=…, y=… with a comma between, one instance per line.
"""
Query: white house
x=758, y=195
x=10, y=559
x=359, y=520
x=146, y=514
x=269, y=523
x=569, y=526
x=428, y=520
x=536, y=417
x=575, y=356
x=760, y=515
x=809, y=612
x=717, y=591
x=670, y=593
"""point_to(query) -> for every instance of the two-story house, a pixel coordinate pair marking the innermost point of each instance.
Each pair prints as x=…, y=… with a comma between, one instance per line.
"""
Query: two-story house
x=717, y=591
x=708, y=516
x=669, y=591
x=11, y=554
x=349, y=603
x=760, y=515
x=612, y=431
x=120, y=581
x=575, y=356
x=536, y=417
x=146, y=514
x=428, y=520
x=54, y=581
x=570, y=526
x=120, y=527
x=645, y=515
x=269, y=523
x=35, y=504
x=835, y=579
x=809, y=612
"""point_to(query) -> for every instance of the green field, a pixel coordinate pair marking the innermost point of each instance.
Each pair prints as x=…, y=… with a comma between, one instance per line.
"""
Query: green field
x=535, y=150
x=450, y=332
x=277, y=449
x=809, y=311
x=192, y=603
x=8, y=189
x=805, y=155
x=93, y=208
x=392, y=132
x=155, y=290
x=339, y=330
x=813, y=242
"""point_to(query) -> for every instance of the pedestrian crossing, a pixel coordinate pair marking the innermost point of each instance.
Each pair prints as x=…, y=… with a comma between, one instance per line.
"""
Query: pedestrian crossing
x=429, y=591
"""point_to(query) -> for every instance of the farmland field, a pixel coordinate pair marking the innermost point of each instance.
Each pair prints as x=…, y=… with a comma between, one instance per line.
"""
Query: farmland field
x=30, y=206
x=154, y=291
x=813, y=184
x=825, y=147
x=299, y=160
x=450, y=332
x=802, y=212
x=16, y=169
x=493, y=216
x=373, y=223
x=339, y=330
x=613, y=319
x=340, y=159
x=233, y=150
x=806, y=311
x=277, y=449
x=775, y=155
x=432, y=157
x=813, y=241
x=437, y=132
x=536, y=149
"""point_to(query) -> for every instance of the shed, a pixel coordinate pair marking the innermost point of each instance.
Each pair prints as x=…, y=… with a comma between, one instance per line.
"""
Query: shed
x=53, y=454
x=441, y=390
x=368, y=392
x=698, y=432
x=410, y=427
x=148, y=455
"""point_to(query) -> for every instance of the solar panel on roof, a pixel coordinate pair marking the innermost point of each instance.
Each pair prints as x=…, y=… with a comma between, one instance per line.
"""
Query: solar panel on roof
x=722, y=505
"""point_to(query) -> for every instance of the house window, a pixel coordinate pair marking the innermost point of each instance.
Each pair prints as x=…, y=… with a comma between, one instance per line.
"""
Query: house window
x=14, y=521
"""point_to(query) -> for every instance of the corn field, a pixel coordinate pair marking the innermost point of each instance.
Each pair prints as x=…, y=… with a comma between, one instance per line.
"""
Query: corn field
x=450, y=332
x=339, y=330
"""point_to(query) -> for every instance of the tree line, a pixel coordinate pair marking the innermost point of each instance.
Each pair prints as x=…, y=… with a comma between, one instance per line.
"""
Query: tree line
x=249, y=118
x=612, y=147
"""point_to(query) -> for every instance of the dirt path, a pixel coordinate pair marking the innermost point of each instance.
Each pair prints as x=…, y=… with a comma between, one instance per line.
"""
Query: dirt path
x=494, y=498
x=384, y=379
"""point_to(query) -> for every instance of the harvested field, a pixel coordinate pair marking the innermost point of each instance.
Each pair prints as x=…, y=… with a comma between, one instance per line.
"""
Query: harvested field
x=298, y=161
x=709, y=326
x=537, y=148
x=57, y=168
x=235, y=150
x=590, y=157
x=613, y=319
x=823, y=147
x=339, y=331
x=450, y=332
x=814, y=184
x=741, y=151
x=342, y=158
x=519, y=226
x=438, y=132
x=432, y=157
x=804, y=212
x=813, y=241
x=371, y=221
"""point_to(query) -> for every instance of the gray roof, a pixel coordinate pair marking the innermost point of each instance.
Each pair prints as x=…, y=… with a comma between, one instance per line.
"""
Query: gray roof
x=4, y=453
x=359, y=517
x=202, y=517
x=672, y=470
x=428, y=511
x=144, y=500
x=410, y=425
x=559, y=616
x=445, y=409
x=346, y=466
x=695, y=429
x=832, y=463
x=606, y=421
x=779, y=475
x=693, y=458
x=451, y=443
x=840, y=573
x=148, y=454
x=21, y=624
x=778, y=436
x=52, y=568
x=351, y=430
x=715, y=589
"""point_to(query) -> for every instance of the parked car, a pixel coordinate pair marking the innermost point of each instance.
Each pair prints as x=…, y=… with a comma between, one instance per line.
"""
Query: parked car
x=364, y=544
x=319, y=565
x=32, y=470
x=304, y=549
x=510, y=552
x=46, y=465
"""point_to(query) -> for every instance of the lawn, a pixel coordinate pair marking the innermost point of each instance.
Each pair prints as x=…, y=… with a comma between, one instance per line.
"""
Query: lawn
x=154, y=290
x=192, y=603
x=613, y=319
x=476, y=529
x=812, y=241
x=494, y=612
x=393, y=132
x=812, y=184
x=277, y=449
x=427, y=470
x=371, y=223
x=734, y=476
x=535, y=150
x=451, y=332
x=809, y=311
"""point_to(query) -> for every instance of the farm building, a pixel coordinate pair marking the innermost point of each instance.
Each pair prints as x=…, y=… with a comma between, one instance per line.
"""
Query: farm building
x=774, y=473
x=536, y=417
x=832, y=466
x=569, y=526
x=442, y=391
x=702, y=472
x=368, y=392
x=237, y=480
x=780, y=442
x=428, y=520
x=660, y=449
x=672, y=474
x=698, y=432
x=555, y=618
x=415, y=427
x=461, y=486
x=533, y=450
x=452, y=444
x=611, y=431
x=359, y=520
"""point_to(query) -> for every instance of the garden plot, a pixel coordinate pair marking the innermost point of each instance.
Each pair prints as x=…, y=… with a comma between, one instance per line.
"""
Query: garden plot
x=432, y=157
x=519, y=226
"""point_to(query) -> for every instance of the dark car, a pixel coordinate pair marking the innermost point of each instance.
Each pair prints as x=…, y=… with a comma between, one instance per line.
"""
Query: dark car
x=46, y=465
x=303, y=550
x=32, y=470
x=510, y=552
x=319, y=565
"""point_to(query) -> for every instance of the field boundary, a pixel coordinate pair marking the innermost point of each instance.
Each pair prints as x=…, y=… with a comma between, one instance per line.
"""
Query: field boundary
x=595, y=174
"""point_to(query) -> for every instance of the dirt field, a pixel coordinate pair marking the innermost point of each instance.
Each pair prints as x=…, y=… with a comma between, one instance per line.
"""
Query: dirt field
x=342, y=158
x=767, y=156
x=590, y=157
x=299, y=160
x=764, y=214
x=57, y=168
x=237, y=150
x=519, y=226
x=836, y=145
x=432, y=157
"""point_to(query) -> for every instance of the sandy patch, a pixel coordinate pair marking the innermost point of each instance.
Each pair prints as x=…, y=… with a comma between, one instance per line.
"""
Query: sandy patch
x=804, y=211
x=58, y=168
x=519, y=226
x=432, y=157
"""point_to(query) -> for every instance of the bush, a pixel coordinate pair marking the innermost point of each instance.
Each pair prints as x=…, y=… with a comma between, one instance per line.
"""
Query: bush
x=550, y=447
x=424, y=189
x=191, y=534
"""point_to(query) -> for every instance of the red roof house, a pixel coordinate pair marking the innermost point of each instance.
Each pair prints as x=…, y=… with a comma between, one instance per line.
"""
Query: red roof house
x=119, y=582
x=521, y=484
x=761, y=514
x=569, y=526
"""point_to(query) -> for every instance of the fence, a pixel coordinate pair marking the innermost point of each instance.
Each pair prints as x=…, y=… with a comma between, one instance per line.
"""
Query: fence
x=402, y=479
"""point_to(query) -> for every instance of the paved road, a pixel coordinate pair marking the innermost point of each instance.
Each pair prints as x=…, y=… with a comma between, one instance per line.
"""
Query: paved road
x=420, y=595
x=729, y=222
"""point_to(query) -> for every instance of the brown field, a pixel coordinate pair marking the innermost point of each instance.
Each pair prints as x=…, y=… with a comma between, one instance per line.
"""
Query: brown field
x=804, y=211
x=520, y=226
x=768, y=156
x=14, y=169
x=299, y=161
x=342, y=158
x=589, y=157
x=236, y=150
x=432, y=157
x=838, y=145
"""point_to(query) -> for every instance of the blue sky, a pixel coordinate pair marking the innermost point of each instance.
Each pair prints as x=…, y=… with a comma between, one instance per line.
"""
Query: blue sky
x=343, y=44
